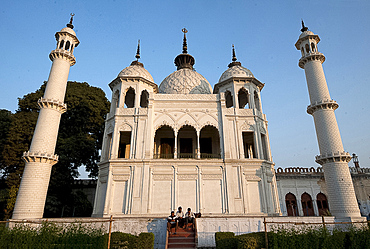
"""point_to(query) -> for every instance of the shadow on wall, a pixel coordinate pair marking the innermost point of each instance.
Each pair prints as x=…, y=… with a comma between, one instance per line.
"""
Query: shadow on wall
x=158, y=227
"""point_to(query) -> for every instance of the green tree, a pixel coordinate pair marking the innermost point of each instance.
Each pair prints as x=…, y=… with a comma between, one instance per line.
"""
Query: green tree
x=79, y=141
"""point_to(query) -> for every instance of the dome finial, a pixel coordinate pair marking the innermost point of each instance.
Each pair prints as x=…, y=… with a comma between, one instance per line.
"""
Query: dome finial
x=304, y=28
x=184, y=44
x=235, y=62
x=70, y=25
x=234, y=56
x=138, y=51
x=137, y=56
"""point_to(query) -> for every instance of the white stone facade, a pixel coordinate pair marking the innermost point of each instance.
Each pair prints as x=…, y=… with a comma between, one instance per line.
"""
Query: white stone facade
x=181, y=145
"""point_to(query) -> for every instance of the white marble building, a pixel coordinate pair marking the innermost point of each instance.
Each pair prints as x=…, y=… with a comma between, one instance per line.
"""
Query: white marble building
x=186, y=144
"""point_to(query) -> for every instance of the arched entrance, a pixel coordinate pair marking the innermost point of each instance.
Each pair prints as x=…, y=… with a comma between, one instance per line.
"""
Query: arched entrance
x=164, y=142
x=307, y=207
x=291, y=204
x=322, y=204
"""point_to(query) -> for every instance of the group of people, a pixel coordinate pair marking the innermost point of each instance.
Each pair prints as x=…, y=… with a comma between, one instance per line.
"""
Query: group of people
x=180, y=219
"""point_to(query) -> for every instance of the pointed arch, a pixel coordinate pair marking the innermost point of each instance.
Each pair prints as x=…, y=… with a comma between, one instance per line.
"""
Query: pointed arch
x=307, y=206
x=164, y=142
x=313, y=47
x=257, y=101
x=243, y=98
x=61, y=45
x=322, y=204
x=68, y=44
x=186, y=142
x=228, y=99
x=209, y=140
x=144, y=99
x=291, y=204
x=130, y=98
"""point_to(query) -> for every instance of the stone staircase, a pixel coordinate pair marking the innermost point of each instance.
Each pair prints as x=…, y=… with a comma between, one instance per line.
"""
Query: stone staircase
x=184, y=238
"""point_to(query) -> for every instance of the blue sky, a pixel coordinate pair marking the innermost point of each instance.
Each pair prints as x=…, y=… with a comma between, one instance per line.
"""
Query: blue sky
x=264, y=34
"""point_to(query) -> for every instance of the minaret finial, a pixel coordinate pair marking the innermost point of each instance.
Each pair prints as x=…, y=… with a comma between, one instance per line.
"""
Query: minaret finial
x=234, y=56
x=184, y=45
x=70, y=25
x=304, y=28
x=138, y=51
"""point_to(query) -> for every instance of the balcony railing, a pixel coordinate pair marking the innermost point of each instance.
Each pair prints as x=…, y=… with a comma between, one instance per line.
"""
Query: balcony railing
x=163, y=156
x=210, y=156
x=186, y=155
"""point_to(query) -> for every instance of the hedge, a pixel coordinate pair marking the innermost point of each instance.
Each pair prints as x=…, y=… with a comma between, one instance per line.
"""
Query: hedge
x=306, y=238
x=49, y=235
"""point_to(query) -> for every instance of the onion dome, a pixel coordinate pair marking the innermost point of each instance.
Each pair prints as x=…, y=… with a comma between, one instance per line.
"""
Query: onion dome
x=185, y=80
x=235, y=70
x=136, y=69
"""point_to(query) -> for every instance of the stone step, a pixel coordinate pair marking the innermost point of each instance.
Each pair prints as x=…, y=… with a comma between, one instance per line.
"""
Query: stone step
x=181, y=239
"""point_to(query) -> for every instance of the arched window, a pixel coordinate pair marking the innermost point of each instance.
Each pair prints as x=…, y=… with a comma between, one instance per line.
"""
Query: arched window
x=68, y=44
x=313, y=47
x=307, y=48
x=164, y=142
x=209, y=141
x=243, y=98
x=248, y=144
x=130, y=98
x=302, y=51
x=61, y=44
x=186, y=142
x=322, y=204
x=229, y=99
x=257, y=102
x=144, y=99
x=291, y=204
x=307, y=206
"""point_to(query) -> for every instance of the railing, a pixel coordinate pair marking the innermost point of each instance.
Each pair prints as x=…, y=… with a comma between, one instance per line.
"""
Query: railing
x=209, y=156
x=163, y=156
x=186, y=155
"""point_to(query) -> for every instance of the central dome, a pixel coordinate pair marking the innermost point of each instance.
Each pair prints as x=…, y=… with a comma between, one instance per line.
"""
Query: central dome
x=184, y=81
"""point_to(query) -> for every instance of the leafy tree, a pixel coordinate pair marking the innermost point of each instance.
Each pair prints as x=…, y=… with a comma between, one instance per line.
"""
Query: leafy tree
x=79, y=141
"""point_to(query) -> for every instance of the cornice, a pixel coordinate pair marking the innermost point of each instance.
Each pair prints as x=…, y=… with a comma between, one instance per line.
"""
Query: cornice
x=39, y=157
x=323, y=104
x=61, y=53
x=52, y=104
x=333, y=157
x=311, y=57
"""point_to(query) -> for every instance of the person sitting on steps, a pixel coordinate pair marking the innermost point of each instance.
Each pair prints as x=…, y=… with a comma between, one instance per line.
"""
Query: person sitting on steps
x=172, y=222
x=189, y=218
x=180, y=216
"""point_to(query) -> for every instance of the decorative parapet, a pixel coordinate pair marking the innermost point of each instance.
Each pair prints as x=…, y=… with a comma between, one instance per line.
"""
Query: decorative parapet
x=64, y=54
x=53, y=104
x=38, y=157
x=323, y=104
x=311, y=57
x=298, y=170
x=333, y=157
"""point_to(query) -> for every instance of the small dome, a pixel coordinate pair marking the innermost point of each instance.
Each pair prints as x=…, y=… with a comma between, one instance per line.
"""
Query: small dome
x=306, y=33
x=68, y=30
x=136, y=71
x=235, y=71
x=184, y=81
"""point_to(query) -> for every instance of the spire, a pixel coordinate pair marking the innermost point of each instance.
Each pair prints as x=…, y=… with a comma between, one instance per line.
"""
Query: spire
x=184, y=60
x=304, y=28
x=137, y=56
x=184, y=44
x=70, y=25
x=138, y=50
x=235, y=62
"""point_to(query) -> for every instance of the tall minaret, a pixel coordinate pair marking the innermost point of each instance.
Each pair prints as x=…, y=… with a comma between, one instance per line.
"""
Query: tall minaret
x=40, y=158
x=333, y=158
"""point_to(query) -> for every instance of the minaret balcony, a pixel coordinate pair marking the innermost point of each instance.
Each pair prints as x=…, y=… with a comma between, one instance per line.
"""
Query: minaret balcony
x=39, y=157
x=61, y=53
x=333, y=157
x=52, y=104
x=323, y=104
x=311, y=57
